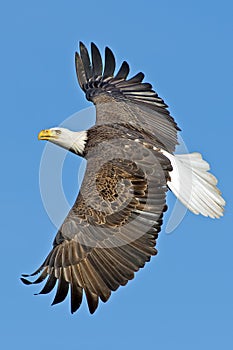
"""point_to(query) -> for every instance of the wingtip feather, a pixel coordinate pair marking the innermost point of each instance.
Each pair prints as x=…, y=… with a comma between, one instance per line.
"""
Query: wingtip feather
x=25, y=281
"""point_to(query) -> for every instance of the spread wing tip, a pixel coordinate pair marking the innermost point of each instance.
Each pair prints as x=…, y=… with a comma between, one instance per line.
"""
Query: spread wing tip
x=25, y=281
x=95, y=78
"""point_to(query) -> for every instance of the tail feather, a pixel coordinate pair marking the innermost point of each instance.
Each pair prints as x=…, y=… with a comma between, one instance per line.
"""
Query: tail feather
x=194, y=186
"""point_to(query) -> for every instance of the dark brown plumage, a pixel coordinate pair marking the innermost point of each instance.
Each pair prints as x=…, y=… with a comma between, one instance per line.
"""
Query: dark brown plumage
x=111, y=230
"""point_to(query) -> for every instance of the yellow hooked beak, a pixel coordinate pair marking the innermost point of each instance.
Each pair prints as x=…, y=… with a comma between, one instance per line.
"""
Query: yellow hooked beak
x=46, y=135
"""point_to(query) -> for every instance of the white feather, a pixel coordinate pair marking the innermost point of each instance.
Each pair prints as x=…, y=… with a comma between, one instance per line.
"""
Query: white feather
x=193, y=185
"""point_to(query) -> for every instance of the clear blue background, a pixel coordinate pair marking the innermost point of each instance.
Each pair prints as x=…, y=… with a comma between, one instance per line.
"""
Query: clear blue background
x=182, y=299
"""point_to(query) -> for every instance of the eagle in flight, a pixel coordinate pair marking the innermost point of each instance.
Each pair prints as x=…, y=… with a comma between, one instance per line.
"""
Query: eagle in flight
x=111, y=230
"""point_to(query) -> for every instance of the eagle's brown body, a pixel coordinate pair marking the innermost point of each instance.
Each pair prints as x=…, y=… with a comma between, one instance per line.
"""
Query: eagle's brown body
x=111, y=230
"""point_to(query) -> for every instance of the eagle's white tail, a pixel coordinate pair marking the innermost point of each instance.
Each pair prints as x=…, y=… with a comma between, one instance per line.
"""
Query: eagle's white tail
x=194, y=186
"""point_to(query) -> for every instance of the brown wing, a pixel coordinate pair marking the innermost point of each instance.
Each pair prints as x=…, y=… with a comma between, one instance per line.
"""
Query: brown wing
x=112, y=228
x=119, y=100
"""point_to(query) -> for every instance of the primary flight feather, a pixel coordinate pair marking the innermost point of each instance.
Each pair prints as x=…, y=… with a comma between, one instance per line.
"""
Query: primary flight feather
x=111, y=230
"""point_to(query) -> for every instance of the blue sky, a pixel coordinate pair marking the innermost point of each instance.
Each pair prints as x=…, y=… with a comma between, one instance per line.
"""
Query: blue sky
x=182, y=299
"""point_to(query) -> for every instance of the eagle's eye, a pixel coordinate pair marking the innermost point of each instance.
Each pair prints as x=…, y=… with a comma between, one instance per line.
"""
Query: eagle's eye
x=58, y=132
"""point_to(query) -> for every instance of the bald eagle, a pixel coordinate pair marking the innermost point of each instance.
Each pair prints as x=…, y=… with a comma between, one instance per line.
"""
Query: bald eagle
x=111, y=230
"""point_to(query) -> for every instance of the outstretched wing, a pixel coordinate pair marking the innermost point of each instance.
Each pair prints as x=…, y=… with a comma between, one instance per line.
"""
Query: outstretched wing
x=119, y=100
x=111, y=230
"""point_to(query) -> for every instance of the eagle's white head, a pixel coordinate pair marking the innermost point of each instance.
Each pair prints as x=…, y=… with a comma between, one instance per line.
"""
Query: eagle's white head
x=74, y=141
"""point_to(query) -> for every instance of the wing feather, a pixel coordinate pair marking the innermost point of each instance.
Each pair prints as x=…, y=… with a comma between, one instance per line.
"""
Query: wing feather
x=76, y=295
x=80, y=71
x=105, y=269
x=86, y=61
x=50, y=284
x=110, y=64
x=92, y=300
x=96, y=61
x=122, y=73
x=138, y=78
x=62, y=291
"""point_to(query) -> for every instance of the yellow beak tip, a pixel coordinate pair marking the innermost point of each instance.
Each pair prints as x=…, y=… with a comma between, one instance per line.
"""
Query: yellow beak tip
x=44, y=135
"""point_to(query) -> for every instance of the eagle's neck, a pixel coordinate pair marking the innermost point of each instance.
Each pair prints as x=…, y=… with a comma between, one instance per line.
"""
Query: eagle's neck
x=79, y=139
x=74, y=141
